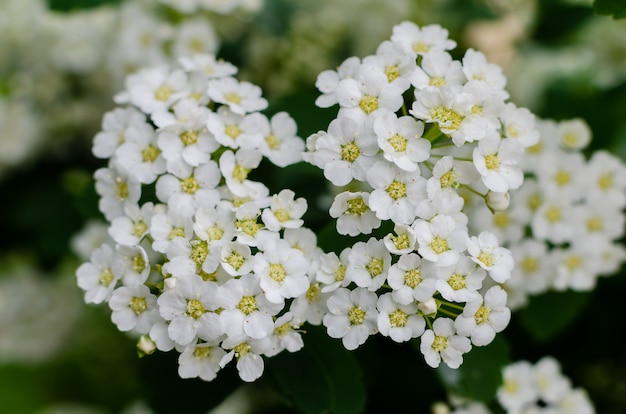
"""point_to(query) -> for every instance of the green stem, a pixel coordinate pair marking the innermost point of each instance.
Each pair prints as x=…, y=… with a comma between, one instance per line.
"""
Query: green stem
x=467, y=187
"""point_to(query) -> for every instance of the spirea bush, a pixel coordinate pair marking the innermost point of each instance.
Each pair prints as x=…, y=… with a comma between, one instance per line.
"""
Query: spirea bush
x=418, y=136
x=205, y=261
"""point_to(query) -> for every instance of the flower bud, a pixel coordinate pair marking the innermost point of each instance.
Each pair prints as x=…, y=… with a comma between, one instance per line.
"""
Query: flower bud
x=498, y=201
x=428, y=307
x=145, y=345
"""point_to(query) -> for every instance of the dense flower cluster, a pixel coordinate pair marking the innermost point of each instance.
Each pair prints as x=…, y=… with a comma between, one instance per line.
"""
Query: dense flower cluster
x=530, y=389
x=418, y=133
x=204, y=259
x=564, y=224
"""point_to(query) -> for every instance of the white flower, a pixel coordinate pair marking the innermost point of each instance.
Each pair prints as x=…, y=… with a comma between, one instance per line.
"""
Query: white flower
x=190, y=307
x=438, y=69
x=412, y=278
x=345, y=152
x=166, y=226
x=328, y=80
x=246, y=309
x=441, y=342
x=236, y=130
x=483, y=318
x=518, y=388
x=488, y=254
x=237, y=259
x=99, y=276
x=195, y=35
x=248, y=352
x=574, y=134
x=113, y=133
x=353, y=213
x=153, y=89
x=477, y=68
x=235, y=168
x=606, y=179
x=130, y=228
x=402, y=242
x=421, y=40
x=396, y=192
x=285, y=335
x=551, y=384
x=282, y=271
x=200, y=360
x=441, y=240
x=215, y=225
x=399, y=322
x=140, y=155
x=352, y=316
x=519, y=125
x=401, y=142
x=332, y=270
x=192, y=190
x=280, y=144
x=496, y=160
x=241, y=97
x=134, y=308
x=461, y=281
x=368, y=264
x=284, y=211
x=368, y=94
x=117, y=190
x=393, y=62
x=208, y=65
x=136, y=265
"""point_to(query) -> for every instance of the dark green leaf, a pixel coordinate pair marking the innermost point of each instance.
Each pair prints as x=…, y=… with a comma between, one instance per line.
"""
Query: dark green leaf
x=480, y=375
x=549, y=314
x=321, y=378
x=68, y=5
x=616, y=8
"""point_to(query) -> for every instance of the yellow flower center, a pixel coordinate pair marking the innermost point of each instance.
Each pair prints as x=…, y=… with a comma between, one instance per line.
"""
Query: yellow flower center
x=247, y=305
x=272, y=141
x=530, y=264
x=163, y=93
x=535, y=149
x=486, y=259
x=242, y=349
x=121, y=189
x=392, y=72
x=398, y=318
x=195, y=309
x=232, y=131
x=437, y=81
x=138, y=263
x=492, y=162
x=605, y=181
x=138, y=304
x=233, y=97
x=277, y=272
x=401, y=241
x=482, y=315
x=420, y=47
x=240, y=173
x=398, y=143
x=189, y=185
x=356, y=206
x=176, y=232
x=412, y=278
x=368, y=104
x=595, y=224
x=150, y=153
x=448, y=179
x=573, y=262
x=235, y=260
x=562, y=178
x=396, y=190
x=139, y=228
x=501, y=220
x=189, y=137
x=106, y=277
x=446, y=117
x=439, y=343
x=248, y=226
x=356, y=315
x=214, y=233
x=282, y=214
x=350, y=152
x=375, y=266
x=553, y=214
x=439, y=245
x=313, y=292
x=457, y=281
x=199, y=251
x=202, y=352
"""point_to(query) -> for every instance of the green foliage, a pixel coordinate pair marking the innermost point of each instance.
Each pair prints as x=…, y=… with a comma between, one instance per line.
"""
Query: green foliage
x=616, y=8
x=480, y=375
x=323, y=377
x=69, y=5
x=546, y=316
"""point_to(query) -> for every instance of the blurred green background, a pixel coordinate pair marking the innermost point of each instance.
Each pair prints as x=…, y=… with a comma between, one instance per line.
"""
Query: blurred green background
x=58, y=355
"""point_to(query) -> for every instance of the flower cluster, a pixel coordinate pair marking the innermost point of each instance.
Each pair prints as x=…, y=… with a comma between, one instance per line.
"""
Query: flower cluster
x=528, y=388
x=564, y=224
x=417, y=134
x=204, y=259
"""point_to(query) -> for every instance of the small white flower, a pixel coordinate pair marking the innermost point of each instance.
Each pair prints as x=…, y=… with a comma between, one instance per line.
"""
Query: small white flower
x=100, y=275
x=353, y=213
x=518, y=388
x=401, y=142
x=280, y=144
x=328, y=80
x=441, y=240
x=442, y=343
x=117, y=190
x=483, y=318
x=421, y=40
x=496, y=160
x=485, y=251
x=368, y=264
x=237, y=259
x=352, y=316
x=134, y=308
x=200, y=360
x=412, y=278
x=461, y=281
x=236, y=130
x=248, y=353
x=403, y=242
x=241, y=97
x=113, y=133
x=399, y=322
x=332, y=270
x=285, y=211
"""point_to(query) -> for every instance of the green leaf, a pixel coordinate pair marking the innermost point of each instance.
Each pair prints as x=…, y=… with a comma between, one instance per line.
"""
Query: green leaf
x=68, y=5
x=480, y=375
x=548, y=315
x=616, y=8
x=323, y=377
